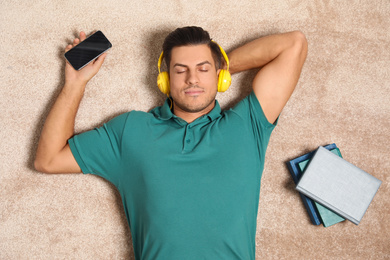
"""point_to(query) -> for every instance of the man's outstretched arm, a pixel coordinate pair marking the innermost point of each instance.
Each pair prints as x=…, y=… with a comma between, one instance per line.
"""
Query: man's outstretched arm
x=53, y=153
x=281, y=57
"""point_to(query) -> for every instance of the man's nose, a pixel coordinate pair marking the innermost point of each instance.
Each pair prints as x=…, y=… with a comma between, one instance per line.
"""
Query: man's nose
x=192, y=78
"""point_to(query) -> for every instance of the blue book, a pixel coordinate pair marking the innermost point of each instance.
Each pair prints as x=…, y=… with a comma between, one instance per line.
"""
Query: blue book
x=296, y=174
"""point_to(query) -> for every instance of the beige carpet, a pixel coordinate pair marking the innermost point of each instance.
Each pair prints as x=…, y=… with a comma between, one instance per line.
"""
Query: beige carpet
x=342, y=97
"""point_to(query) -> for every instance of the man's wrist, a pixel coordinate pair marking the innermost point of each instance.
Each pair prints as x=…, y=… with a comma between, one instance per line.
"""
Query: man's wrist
x=74, y=88
x=75, y=85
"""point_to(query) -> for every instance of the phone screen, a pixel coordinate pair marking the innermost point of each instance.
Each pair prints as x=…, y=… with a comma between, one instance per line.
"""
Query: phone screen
x=88, y=50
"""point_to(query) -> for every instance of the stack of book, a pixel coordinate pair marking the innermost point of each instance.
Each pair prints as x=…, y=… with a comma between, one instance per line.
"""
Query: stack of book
x=331, y=188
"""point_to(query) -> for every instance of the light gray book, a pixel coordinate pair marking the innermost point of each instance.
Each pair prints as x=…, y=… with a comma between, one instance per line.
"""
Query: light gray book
x=338, y=185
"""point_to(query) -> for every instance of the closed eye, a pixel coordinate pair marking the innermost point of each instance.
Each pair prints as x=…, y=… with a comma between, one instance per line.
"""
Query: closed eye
x=204, y=68
x=180, y=70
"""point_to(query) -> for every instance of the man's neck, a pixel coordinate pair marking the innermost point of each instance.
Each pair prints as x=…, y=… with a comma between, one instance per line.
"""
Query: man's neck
x=190, y=117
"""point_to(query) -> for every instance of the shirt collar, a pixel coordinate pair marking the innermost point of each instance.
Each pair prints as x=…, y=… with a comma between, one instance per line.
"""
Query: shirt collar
x=164, y=112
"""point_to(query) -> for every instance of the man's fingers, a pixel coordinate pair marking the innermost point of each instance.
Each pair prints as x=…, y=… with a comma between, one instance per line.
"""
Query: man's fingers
x=76, y=41
x=70, y=46
x=99, y=61
x=82, y=36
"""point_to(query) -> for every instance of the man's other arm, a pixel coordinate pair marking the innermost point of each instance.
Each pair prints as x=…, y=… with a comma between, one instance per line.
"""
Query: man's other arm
x=53, y=152
x=281, y=57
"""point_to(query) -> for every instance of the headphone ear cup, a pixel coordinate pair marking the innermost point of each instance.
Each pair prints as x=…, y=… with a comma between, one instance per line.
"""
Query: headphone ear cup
x=224, y=80
x=163, y=82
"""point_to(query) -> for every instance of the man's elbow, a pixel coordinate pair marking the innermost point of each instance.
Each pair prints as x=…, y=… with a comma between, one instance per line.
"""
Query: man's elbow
x=299, y=36
x=300, y=43
x=41, y=166
x=62, y=163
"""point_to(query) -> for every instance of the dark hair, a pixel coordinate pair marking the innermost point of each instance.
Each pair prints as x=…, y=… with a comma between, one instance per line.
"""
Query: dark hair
x=190, y=35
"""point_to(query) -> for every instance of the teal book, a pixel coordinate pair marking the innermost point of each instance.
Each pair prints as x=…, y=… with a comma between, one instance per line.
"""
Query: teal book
x=296, y=174
x=327, y=216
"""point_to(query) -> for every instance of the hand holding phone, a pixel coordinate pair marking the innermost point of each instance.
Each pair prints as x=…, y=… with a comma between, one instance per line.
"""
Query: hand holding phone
x=87, y=50
x=81, y=76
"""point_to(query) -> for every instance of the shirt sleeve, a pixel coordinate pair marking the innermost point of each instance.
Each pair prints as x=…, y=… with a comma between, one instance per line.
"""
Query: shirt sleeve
x=99, y=151
x=250, y=110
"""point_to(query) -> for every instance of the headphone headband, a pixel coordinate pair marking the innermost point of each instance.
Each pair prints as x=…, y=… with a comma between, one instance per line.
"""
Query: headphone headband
x=160, y=61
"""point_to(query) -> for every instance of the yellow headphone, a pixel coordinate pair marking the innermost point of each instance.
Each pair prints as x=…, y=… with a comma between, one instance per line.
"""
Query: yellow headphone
x=224, y=78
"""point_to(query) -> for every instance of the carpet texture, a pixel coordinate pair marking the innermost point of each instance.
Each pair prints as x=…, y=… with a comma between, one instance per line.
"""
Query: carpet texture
x=342, y=97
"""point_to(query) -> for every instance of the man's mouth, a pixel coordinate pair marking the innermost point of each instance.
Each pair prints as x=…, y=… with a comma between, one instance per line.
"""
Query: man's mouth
x=193, y=91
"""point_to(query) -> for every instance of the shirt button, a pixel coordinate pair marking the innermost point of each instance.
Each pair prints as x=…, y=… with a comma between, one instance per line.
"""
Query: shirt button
x=188, y=141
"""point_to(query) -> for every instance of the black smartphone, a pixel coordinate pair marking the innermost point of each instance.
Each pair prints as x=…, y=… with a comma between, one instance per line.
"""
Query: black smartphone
x=88, y=50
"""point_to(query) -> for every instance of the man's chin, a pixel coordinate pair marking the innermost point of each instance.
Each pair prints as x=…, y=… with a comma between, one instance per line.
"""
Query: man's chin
x=195, y=108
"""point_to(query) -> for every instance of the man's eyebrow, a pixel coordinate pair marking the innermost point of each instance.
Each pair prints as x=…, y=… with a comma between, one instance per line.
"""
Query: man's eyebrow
x=185, y=66
x=203, y=63
x=180, y=65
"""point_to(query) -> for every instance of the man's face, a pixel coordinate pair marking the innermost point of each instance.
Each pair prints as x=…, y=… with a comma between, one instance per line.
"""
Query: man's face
x=193, y=79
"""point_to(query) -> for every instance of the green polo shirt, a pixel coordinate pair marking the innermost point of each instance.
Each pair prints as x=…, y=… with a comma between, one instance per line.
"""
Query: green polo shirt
x=190, y=191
